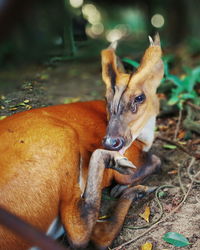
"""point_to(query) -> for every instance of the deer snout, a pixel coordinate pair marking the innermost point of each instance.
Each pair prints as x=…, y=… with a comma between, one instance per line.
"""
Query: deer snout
x=113, y=143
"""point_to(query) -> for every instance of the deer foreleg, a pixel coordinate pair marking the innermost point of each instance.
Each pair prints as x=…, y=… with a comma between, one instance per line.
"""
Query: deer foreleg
x=105, y=232
x=80, y=214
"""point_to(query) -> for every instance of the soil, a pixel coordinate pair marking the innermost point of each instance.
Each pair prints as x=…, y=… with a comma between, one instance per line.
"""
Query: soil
x=33, y=86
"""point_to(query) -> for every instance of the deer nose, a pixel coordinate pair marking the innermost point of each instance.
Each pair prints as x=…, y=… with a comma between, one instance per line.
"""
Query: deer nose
x=113, y=143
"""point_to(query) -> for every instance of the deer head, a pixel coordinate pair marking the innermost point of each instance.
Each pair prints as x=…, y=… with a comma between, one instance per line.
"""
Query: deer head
x=131, y=98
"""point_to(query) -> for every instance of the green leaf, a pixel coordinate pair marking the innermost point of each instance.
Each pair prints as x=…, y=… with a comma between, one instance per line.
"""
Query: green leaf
x=169, y=146
x=176, y=239
x=197, y=100
x=180, y=105
x=194, y=78
x=166, y=70
x=131, y=62
x=173, y=100
x=186, y=96
x=175, y=80
x=162, y=194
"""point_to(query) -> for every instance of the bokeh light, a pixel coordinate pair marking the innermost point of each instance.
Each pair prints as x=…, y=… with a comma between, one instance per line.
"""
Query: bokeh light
x=91, y=13
x=114, y=35
x=97, y=29
x=76, y=3
x=157, y=20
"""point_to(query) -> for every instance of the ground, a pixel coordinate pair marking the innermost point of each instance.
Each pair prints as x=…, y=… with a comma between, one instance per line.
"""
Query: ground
x=33, y=86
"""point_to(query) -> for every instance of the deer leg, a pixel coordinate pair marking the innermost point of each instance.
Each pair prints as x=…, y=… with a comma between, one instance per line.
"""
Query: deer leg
x=105, y=232
x=151, y=165
x=79, y=216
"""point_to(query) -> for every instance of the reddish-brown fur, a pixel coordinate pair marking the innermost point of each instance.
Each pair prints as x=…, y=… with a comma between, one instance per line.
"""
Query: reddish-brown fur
x=39, y=165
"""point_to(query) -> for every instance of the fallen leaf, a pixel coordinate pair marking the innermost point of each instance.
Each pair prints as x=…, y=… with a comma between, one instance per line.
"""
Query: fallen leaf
x=26, y=101
x=71, y=99
x=44, y=77
x=103, y=217
x=171, y=122
x=2, y=97
x=147, y=246
x=181, y=134
x=176, y=239
x=173, y=172
x=2, y=117
x=162, y=127
x=182, y=142
x=146, y=214
x=21, y=104
x=12, y=108
x=161, y=96
x=28, y=106
x=169, y=146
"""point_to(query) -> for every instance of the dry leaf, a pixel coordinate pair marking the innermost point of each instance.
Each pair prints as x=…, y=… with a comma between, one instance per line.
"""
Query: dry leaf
x=28, y=106
x=12, y=108
x=146, y=213
x=26, y=101
x=162, y=127
x=182, y=142
x=147, y=246
x=173, y=172
x=181, y=134
x=161, y=96
x=71, y=99
x=2, y=97
x=103, y=217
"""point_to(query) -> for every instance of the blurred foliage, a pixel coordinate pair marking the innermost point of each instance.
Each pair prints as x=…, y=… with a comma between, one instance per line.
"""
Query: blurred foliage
x=184, y=86
x=55, y=29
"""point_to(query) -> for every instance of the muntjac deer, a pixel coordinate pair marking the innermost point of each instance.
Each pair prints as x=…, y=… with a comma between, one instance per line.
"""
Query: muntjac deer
x=53, y=166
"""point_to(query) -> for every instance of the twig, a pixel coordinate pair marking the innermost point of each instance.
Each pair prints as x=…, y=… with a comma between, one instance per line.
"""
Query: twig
x=197, y=199
x=196, y=141
x=180, y=182
x=178, y=124
x=197, y=156
x=193, y=106
x=160, y=207
x=193, y=177
x=164, y=219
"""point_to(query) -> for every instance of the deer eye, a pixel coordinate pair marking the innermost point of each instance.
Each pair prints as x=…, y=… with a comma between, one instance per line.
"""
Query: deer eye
x=140, y=98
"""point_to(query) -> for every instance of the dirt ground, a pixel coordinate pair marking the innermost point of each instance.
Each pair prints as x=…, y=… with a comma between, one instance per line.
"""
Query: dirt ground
x=35, y=86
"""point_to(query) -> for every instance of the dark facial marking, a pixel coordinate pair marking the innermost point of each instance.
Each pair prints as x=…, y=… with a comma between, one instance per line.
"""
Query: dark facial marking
x=112, y=75
x=134, y=107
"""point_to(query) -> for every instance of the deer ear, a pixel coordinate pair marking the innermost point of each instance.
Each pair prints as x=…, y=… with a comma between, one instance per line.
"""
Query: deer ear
x=151, y=69
x=109, y=68
x=113, y=72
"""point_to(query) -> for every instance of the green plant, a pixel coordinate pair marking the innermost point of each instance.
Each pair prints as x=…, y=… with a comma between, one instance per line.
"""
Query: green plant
x=184, y=86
